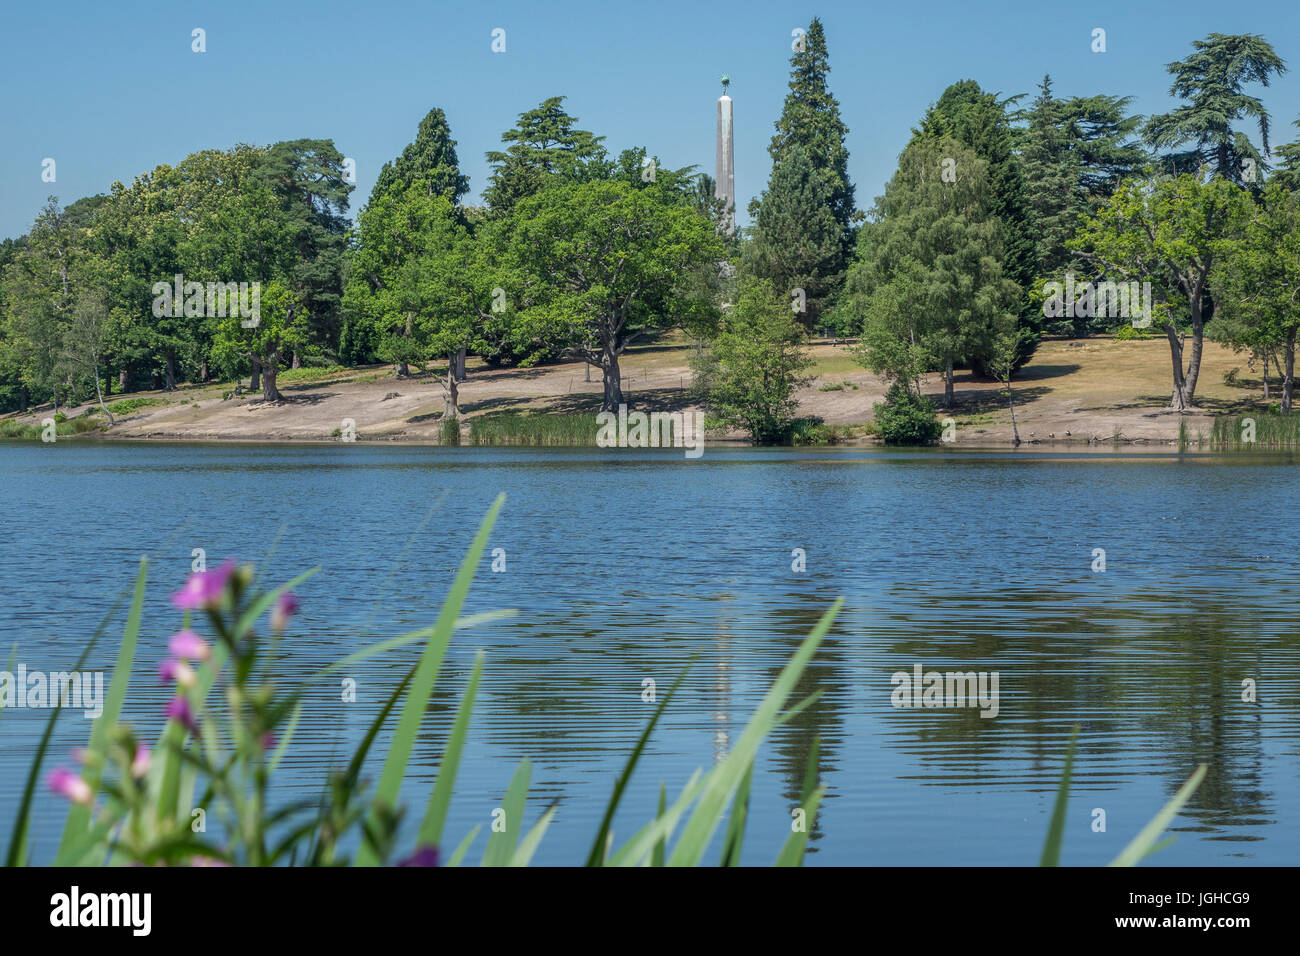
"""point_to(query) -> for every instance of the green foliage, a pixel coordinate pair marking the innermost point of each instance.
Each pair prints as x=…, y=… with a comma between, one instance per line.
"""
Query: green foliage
x=797, y=242
x=595, y=264
x=751, y=369
x=1211, y=81
x=128, y=405
x=905, y=418
x=928, y=278
x=1127, y=333
x=1256, y=287
x=1176, y=234
x=429, y=164
x=543, y=148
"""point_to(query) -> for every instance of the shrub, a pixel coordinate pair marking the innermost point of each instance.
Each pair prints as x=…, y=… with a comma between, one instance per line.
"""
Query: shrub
x=128, y=405
x=450, y=432
x=1127, y=333
x=905, y=418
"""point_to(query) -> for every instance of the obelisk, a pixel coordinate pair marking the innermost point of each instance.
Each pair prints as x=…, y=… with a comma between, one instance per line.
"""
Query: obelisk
x=725, y=184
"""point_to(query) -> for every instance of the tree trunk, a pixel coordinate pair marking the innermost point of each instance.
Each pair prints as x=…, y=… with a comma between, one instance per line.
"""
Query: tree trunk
x=269, y=370
x=1289, y=372
x=459, y=362
x=402, y=370
x=1176, y=356
x=613, y=382
x=101, y=398
x=947, y=385
x=1265, y=367
x=203, y=371
x=297, y=360
x=453, y=390
x=170, y=367
x=1185, y=383
x=255, y=381
x=122, y=380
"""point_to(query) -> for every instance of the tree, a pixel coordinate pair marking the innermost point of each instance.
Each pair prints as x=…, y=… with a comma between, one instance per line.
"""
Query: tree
x=546, y=143
x=41, y=287
x=1288, y=170
x=429, y=161
x=929, y=279
x=599, y=263
x=798, y=244
x=810, y=120
x=1051, y=177
x=981, y=122
x=306, y=178
x=1173, y=233
x=750, y=372
x=1257, y=293
x=1074, y=153
x=280, y=326
x=1211, y=80
x=84, y=342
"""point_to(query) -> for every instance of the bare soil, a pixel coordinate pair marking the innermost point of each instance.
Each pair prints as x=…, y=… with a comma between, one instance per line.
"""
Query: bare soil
x=1080, y=391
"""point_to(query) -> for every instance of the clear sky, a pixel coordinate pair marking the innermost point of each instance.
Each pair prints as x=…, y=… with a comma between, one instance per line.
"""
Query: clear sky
x=111, y=89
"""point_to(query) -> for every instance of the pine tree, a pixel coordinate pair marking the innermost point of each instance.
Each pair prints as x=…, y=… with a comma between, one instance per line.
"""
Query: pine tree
x=810, y=119
x=981, y=122
x=1051, y=178
x=1211, y=81
x=430, y=160
x=798, y=243
x=544, y=144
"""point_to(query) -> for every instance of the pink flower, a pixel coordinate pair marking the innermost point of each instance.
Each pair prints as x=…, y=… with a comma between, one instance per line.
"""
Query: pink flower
x=179, y=709
x=204, y=588
x=284, y=610
x=267, y=740
x=140, y=765
x=179, y=671
x=188, y=646
x=71, y=786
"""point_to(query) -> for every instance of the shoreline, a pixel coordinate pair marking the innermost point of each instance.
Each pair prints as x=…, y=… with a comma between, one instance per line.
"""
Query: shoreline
x=1087, y=394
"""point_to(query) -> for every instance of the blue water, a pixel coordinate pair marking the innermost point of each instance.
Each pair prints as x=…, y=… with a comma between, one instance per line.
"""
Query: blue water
x=626, y=565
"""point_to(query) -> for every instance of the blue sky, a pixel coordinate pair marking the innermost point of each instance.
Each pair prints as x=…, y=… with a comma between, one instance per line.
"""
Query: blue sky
x=110, y=90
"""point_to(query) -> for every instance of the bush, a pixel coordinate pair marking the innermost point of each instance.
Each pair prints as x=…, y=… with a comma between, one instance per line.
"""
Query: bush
x=1127, y=333
x=128, y=405
x=906, y=419
x=450, y=434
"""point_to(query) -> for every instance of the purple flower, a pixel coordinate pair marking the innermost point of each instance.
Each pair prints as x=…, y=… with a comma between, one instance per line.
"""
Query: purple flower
x=70, y=785
x=204, y=588
x=172, y=669
x=423, y=856
x=188, y=646
x=179, y=709
x=267, y=740
x=140, y=765
x=284, y=610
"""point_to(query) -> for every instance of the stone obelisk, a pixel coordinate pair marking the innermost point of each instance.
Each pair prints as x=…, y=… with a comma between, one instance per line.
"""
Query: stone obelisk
x=725, y=184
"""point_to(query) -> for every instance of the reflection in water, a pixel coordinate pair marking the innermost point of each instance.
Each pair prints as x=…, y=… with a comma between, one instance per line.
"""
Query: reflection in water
x=969, y=562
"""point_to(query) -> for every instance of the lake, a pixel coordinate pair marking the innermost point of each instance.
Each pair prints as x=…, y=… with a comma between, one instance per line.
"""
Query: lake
x=630, y=564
